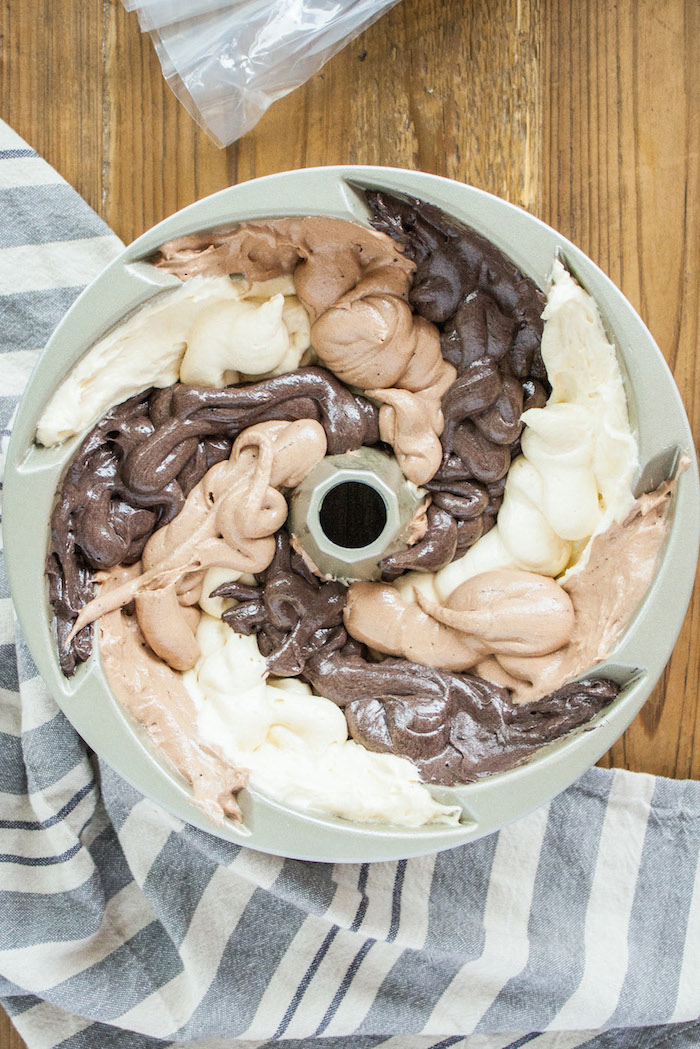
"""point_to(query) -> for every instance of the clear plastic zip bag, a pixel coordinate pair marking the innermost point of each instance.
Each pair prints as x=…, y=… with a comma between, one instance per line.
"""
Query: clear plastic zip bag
x=228, y=62
x=153, y=14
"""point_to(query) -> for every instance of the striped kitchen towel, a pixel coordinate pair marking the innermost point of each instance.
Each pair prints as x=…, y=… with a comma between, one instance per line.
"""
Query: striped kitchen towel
x=123, y=927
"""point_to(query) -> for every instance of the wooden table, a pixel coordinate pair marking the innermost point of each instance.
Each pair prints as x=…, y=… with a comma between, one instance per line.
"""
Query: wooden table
x=582, y=111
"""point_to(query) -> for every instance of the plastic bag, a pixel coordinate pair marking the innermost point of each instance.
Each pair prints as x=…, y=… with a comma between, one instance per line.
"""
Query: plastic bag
x=227, y=62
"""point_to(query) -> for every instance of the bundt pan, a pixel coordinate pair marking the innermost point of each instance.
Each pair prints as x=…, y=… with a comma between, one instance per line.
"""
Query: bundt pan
x=656, y=412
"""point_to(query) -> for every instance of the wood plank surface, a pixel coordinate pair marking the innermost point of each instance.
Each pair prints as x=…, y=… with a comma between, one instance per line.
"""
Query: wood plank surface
x=583, y=112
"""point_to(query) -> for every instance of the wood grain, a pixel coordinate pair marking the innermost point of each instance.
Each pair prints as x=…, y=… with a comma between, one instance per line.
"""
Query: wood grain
x=620, y=176
x=584, y=112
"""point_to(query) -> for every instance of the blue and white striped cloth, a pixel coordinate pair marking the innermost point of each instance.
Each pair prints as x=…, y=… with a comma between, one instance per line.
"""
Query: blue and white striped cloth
x=123, y=927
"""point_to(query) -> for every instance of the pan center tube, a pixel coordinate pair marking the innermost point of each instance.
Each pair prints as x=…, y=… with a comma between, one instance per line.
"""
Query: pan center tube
x=352, y=511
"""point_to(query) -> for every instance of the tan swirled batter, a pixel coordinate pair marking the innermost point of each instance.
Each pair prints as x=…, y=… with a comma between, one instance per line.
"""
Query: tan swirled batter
x=354, y=283
x=605, y=594
x=156, y=697
x=503, y=612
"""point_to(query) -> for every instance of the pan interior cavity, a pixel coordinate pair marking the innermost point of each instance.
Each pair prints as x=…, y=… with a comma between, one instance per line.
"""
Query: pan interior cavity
x=353, y=514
